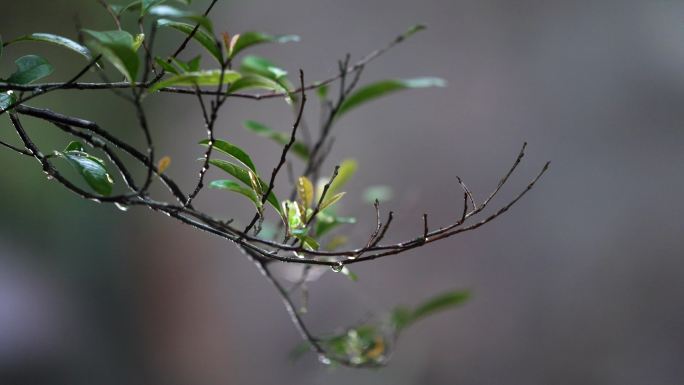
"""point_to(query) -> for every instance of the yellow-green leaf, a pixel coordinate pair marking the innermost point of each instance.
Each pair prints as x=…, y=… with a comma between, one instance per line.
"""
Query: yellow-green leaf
x=306, y=191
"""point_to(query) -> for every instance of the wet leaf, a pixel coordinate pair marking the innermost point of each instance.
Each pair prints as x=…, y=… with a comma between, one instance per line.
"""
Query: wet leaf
x=7, y=99
x=92, y=169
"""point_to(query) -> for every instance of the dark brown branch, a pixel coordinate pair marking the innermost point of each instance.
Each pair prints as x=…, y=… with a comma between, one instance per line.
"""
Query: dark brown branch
x=283, y=155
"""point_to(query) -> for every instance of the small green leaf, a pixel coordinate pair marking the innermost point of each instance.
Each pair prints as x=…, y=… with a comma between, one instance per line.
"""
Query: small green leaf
x=29, y=69
x=118, y=47
x=347, y=169
x=404, y=317
x=206, y=40
x=7, y=99
x=168, y=67
x=414, y=29
x=293, y=215
x=322, y=92
x=57, y=40
x=92, y=169
x=75, y=146
x=308, y=242
x=238, y=188
x=376, y=90
x=242, y=174
x=199, y=78
x=138, y=41
x=329, y=201
x=195, y=63
x=298, y=148
x=249, y=39
x=440, y=303
x=232, y=150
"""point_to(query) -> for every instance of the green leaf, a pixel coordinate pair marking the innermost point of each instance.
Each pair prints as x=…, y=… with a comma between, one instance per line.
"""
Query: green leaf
x=168, y=67
x=255, y=81
x=7, y=99
x=308, y=242
x=329, y=201
x=439, y=303
x=75, y=146
x=167, y=11
x=376, y=90
x=230, y=185
x=92, y=169
x=249, y=39
x=29, y=69
x=404, y=317
x=194, y=64
x=206, y=40
x=242, y=175
x=414, y=29
x=118, y=47
x=232, y=150
x=298, y=148
x=56, y=40
x=322, y=92
x=347, y=169
x=199, y=78
x=293, y=215
x=262, y=66
x=138, y=41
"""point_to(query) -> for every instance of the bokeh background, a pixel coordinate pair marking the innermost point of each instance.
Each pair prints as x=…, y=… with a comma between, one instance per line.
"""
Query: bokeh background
x=581, y=283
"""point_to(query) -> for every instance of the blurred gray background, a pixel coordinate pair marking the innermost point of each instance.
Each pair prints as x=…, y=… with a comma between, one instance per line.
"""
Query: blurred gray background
x=581, y=283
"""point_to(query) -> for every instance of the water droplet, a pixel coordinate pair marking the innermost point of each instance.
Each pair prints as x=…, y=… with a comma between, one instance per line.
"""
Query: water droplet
x=121, y=207
x=337, y=267
x=50, y=177
x=324, y=360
